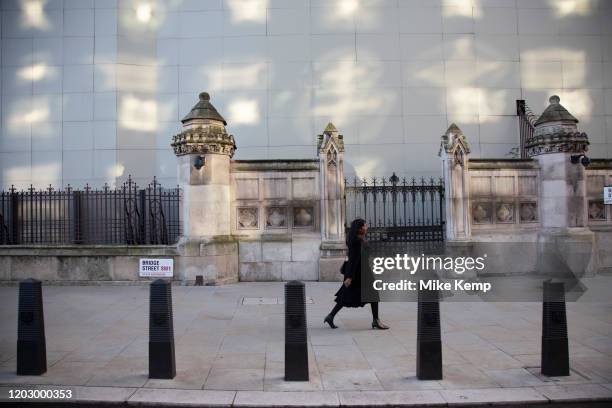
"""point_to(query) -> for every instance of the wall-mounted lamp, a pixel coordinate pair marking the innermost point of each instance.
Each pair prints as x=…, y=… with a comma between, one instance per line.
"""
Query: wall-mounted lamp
x=580, y=158
x=199, y=162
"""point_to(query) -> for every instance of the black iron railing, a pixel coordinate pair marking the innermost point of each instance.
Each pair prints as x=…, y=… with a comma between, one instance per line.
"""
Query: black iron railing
x=397, y=210
x=127, y=215
x=527, y=120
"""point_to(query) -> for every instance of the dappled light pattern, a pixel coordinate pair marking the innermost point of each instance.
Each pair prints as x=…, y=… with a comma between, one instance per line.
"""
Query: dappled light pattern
x=346, y=8
x=462, y=8
x=138, y=114
x=243, y=76
x=244, y=112
x=144, y=12
x=565, y=8
x=97, y=89
x=245, y=11
x=34, y=15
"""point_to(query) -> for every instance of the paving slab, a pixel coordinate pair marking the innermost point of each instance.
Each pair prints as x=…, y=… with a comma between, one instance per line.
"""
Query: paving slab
x=491, y=359
x=514, y=377
x=274, y=379
x=465, y=376
x=575, y=377
x=390, y=398
x=380, y=360
x=187, y=377
x=97, y=339
x=182, y=398
x=403, y=379
x=575, y=392
x=521, y=395
x=240, y=360
x=239, y=379
x=286, y=399
x=350, y=380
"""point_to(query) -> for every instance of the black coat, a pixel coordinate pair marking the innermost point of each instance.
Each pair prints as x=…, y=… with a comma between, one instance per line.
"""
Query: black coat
x=351, y=296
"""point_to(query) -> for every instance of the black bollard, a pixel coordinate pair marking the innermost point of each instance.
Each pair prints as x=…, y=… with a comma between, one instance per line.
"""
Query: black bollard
x=296, y=348
x=162, y=363
x=555, y=350
x=429, y=342
x=31, y=347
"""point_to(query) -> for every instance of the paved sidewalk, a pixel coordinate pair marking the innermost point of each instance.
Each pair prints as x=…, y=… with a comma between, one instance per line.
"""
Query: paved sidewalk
x=232, y=351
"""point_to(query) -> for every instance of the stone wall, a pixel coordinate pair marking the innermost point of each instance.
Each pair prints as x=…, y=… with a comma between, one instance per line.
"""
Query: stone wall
x=214, y=258
x=275, y=216
x=504, y=195
x=598, y=175
x=599, y=216
x=275, y=234
x=242, y=220
x=505, y=205
x=77, y=263
x=552, y=201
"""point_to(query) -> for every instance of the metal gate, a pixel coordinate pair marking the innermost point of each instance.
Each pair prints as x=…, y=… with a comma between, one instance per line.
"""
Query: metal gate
x=395, y=209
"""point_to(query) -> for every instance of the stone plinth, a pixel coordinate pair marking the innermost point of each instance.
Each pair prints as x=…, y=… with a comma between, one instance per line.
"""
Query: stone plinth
x=567, y=252
x=565, y=245
x=562, y=181
x=331, y=164
x=276, y=257
x=203, y=151
x=333, y=254
x=333, y=248
x=562, y=191
x=215, y=258
x=454, y=151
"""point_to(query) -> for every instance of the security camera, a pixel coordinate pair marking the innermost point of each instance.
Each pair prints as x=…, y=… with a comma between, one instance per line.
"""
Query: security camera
x=199, y=162
x=580, y=158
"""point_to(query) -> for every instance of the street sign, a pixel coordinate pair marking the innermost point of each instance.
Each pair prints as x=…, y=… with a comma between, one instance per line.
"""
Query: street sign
x=156, y=268
x=607, y=193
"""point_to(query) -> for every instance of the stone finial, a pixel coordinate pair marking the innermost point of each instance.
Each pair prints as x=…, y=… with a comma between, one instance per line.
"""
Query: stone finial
x=454, y=143
x=330, y=135
x=330, y=128
x=203, y=110
x=555, y=112
x=204, y=131
x=556, y=131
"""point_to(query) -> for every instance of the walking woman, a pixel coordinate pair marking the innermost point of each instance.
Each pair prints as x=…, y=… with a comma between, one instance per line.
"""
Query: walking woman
x=349, y=294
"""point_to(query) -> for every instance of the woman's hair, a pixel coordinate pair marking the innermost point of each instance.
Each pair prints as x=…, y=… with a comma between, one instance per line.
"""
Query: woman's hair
x=353, y=233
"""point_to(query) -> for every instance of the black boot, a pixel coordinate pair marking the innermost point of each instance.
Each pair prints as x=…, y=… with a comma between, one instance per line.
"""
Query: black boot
x=377, y=324
x=329, y=319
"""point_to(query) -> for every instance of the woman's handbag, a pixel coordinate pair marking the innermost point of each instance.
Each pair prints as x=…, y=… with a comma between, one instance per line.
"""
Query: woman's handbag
x=343, y=267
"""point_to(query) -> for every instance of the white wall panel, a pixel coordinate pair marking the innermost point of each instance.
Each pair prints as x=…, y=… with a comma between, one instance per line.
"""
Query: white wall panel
x=78, y=22
x=103, y=88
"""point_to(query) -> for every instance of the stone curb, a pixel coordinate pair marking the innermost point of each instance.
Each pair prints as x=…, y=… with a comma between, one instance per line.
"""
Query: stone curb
x=560, y=395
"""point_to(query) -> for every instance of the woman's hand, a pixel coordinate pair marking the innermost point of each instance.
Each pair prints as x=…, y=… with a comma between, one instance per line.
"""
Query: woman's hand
x=347, y=282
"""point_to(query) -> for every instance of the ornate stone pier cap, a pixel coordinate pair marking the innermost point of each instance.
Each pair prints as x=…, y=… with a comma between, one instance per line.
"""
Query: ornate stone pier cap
x=454, y=151
x=330, y=142
x=454, y=144
x=204, y=131
x=556, y=131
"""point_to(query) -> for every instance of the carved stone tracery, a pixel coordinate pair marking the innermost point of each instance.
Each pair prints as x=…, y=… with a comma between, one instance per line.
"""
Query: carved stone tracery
x=455, y=145
x=204, y=131
x=556, y=131
x=557, y=139
x=213, y=139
